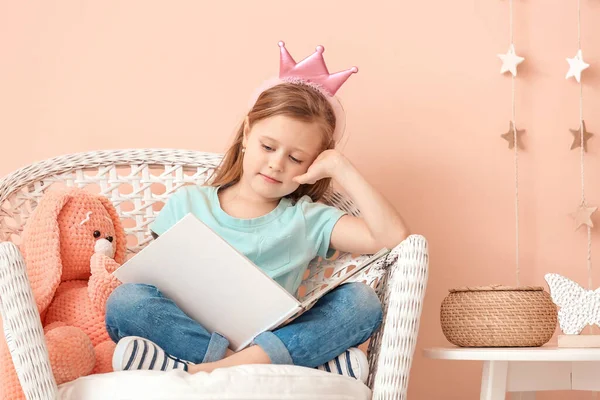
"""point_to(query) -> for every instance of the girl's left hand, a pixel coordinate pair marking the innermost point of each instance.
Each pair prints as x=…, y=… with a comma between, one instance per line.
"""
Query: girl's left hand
x=326, y=165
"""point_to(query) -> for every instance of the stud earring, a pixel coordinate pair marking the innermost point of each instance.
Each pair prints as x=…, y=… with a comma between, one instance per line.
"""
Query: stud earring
x=243, y=149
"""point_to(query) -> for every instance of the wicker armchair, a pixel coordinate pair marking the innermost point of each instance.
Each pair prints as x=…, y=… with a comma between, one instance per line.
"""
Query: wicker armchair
x=138, y=182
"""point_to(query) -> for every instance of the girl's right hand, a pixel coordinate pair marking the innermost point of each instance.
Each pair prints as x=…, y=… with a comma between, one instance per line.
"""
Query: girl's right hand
x=328, y=164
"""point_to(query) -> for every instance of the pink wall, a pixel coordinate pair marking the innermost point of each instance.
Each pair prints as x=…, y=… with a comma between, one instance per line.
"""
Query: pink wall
x=425, y=114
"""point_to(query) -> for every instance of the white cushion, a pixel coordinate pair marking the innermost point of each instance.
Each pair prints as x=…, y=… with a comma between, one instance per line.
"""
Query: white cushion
x=239, y=383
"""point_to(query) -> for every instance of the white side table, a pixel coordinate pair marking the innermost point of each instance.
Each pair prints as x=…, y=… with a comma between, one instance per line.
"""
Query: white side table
x=527, y=370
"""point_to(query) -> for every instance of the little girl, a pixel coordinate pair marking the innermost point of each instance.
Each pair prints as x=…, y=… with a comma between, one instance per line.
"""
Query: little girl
x=263, y=200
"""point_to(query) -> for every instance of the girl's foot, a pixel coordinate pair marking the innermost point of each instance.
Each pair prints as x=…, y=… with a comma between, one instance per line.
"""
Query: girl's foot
x=353, y=363
x=133, y=352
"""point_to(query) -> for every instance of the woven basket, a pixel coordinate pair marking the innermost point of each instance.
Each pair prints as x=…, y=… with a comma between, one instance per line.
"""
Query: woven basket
x=498, y=316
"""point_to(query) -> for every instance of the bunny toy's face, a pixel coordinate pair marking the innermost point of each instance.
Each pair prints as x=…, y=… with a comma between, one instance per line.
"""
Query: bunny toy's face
x=85, y=228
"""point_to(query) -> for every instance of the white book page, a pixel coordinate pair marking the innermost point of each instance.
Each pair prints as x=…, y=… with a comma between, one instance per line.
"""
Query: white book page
x=211, y=282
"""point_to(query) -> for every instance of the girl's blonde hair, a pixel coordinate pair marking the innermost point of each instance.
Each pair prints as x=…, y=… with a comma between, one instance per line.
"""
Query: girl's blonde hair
x=298, y=101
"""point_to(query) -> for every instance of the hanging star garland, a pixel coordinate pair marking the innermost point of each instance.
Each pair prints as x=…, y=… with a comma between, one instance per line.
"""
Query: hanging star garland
x=577, y=137
x=510, y=136
x=583, y=215
x=510, y=60
x=576, y=66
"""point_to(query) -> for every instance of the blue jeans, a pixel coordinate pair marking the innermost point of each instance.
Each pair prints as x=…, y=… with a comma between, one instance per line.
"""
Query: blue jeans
x=343, y=318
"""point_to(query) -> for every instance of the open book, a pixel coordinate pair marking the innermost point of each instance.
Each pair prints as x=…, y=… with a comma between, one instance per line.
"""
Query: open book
x=216, y=285
x=309, y=301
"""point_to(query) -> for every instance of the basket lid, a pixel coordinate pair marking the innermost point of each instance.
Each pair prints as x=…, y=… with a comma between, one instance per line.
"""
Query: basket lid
x=495, y=288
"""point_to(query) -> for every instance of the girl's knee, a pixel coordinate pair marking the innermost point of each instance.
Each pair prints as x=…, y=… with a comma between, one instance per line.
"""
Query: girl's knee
x=363, y=300
x=125, y=311
x=126, y=298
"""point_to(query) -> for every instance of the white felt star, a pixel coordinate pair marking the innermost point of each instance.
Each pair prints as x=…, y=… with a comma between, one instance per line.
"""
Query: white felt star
x=510, y=60
x=576, y=66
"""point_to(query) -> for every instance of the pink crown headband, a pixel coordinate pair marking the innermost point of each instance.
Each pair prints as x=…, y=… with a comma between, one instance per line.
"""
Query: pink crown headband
x=313, y=72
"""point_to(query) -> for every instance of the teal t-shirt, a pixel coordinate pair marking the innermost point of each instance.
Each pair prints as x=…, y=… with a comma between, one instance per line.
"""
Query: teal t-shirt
x=281, y=243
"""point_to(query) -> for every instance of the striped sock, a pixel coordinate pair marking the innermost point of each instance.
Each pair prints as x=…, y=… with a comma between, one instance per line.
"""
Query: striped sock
x=353, y=363
x=133, y=352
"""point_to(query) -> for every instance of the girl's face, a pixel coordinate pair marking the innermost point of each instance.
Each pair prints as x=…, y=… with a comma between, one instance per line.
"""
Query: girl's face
x=278, y=149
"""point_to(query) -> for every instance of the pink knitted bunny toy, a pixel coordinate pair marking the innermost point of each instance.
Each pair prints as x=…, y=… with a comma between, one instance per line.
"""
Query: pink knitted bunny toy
x=72, y=243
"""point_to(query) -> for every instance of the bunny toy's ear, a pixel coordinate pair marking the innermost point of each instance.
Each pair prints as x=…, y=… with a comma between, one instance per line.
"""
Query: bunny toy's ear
x=41, y=247
x=121, y=238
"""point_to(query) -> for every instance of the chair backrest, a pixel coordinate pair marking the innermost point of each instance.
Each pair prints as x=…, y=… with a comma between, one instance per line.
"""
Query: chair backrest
x=139, y=182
